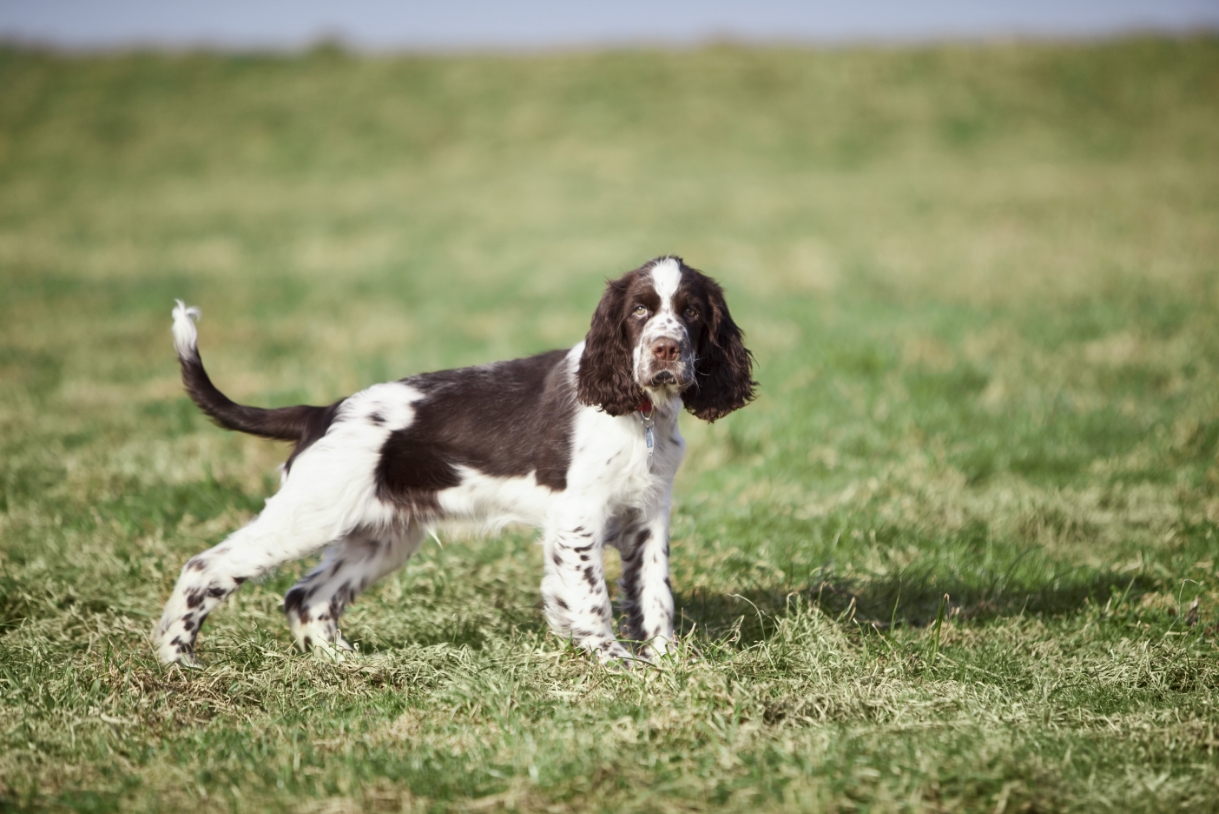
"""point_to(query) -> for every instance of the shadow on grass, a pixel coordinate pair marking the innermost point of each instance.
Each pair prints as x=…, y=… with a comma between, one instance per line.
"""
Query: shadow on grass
x=909, y=600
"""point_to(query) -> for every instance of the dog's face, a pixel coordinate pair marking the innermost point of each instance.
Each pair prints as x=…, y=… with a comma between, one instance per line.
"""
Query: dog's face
x=662, y=326
x=661, y=330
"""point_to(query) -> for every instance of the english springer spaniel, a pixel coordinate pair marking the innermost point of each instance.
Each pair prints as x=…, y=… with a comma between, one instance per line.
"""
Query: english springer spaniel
x=582, y=443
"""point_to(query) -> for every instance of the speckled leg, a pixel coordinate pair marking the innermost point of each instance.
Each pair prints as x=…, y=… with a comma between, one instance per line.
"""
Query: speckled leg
x=314, y=604
x=207, y=579
x=646, y=595
x=577, y=602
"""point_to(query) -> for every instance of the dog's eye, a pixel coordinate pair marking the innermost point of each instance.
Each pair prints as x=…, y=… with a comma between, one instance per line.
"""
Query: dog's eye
x=641, y=310
x=692, y=313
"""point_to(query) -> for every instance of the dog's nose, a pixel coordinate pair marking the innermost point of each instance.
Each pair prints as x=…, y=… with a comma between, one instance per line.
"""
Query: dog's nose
x=665, y=350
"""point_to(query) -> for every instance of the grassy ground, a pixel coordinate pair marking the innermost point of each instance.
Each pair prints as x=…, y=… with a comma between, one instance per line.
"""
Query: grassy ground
x=960, y=555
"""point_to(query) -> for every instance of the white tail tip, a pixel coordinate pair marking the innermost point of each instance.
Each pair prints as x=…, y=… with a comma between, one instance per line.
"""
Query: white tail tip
x=186, y=338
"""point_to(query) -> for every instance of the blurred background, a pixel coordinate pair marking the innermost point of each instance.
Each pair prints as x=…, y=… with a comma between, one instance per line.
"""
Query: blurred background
x=971, y=243
x=974, y=247
x=547, y=24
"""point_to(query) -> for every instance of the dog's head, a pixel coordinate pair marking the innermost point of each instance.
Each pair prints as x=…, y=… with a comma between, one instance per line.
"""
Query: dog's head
x=661, y=330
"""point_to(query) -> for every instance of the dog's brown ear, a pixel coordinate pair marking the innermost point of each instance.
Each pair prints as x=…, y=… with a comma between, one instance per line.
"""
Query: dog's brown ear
x=605, y=378
x=723, y=374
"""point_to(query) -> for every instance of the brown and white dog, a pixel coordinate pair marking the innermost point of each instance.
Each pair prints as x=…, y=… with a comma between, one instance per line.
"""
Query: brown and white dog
x=582, y=443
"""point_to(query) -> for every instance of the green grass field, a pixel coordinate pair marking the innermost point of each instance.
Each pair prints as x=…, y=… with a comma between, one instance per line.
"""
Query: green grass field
x=959, y=556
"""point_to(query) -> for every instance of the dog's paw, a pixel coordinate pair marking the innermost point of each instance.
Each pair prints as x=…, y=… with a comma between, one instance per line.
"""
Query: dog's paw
x=617, y=657
x=337, y=651
x=186, y=659
x=190, y=661
x=174, y=649
x=663, y=652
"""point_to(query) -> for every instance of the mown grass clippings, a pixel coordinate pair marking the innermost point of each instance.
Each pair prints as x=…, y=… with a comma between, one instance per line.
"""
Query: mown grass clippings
x=959, y=556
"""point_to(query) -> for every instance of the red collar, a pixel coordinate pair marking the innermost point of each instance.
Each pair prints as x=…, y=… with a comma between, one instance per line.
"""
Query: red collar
x=645, y=407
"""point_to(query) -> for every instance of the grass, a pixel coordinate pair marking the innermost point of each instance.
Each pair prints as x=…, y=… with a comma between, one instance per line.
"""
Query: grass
x=959, y=556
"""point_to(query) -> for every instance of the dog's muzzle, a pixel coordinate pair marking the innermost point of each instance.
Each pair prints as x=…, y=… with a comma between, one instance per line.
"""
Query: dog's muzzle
x=667, y=363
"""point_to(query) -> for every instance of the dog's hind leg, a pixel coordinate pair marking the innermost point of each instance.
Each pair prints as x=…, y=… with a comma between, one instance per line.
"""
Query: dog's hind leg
x=308, y=513
x=207, y=579
x=315, y=604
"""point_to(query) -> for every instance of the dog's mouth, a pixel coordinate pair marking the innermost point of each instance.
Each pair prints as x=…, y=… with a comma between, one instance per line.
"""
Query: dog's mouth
x=664, y=378
x=674, y=377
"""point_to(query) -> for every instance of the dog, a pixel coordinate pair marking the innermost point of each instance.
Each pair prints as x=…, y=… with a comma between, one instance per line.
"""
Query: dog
x=582, y=443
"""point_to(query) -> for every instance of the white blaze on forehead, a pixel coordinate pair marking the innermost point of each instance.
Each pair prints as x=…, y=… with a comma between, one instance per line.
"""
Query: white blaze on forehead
x=666, y=276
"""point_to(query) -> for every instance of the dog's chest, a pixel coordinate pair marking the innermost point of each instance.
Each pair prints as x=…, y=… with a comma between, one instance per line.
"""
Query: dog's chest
x=623, y=460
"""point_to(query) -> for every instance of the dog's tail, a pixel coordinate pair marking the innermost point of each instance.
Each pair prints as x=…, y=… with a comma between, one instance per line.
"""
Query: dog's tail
x=283, y=424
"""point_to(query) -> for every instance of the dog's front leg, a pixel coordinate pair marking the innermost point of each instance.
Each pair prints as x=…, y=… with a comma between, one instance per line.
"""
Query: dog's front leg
x=577, y=602
x=646, y=594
